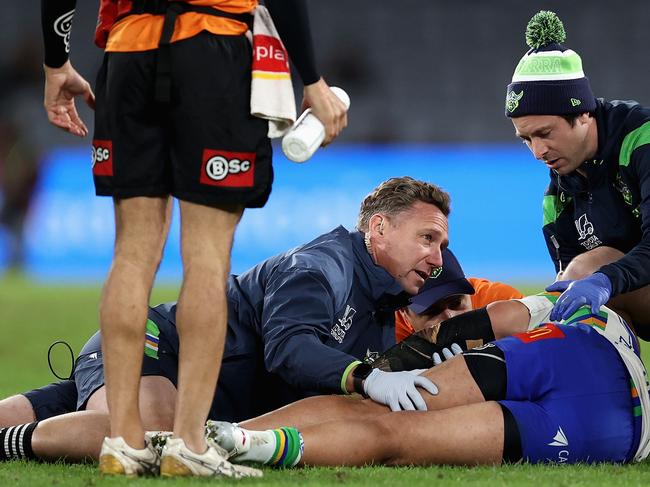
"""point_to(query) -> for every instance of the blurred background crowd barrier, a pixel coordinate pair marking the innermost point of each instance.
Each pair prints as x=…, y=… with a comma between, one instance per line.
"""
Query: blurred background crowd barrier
x=427, y=83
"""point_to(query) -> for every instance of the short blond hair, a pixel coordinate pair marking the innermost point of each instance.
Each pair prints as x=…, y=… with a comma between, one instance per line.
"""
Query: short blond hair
x=397, y=195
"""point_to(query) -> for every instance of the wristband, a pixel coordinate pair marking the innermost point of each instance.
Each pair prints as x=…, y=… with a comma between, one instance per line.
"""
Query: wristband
x=56, y=22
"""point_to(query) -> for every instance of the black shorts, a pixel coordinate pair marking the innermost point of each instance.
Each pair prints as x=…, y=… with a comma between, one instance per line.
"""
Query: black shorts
x=203, y=146
x=53, y=399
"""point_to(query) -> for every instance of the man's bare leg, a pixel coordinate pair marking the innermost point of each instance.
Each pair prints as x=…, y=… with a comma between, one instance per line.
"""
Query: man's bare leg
x=77, y=436
x=461, y=435
x=141, y=226
x=201, y=314
x=635, y=304
x=455, y=384
x=16, y=410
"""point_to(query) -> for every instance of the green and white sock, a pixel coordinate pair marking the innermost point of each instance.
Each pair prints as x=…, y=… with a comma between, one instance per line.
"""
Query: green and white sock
x=282, y=447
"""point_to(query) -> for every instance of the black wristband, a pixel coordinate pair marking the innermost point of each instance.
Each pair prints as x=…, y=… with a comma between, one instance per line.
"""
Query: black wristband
x=359, y=374
x=56, y=21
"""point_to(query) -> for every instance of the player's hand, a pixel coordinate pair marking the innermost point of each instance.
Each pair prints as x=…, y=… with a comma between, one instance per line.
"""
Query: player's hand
x=62, y=85
x=594, y=291
x=398, y=390
x=447, y=353
x=327, y=108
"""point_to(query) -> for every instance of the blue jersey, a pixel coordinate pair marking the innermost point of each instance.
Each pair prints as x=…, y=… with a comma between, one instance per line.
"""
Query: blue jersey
x=578, y=388
x=610, y=204
x=297, y=320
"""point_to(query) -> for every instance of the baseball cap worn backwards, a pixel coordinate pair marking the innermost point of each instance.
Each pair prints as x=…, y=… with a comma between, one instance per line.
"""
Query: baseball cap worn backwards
x=448, y=280
x=549, y=79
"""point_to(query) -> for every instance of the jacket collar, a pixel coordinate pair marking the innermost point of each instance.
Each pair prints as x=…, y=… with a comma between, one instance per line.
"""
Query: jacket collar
x=376, y=279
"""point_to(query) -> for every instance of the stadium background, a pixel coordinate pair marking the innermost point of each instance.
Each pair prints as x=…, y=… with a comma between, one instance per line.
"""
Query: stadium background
x=427, y=83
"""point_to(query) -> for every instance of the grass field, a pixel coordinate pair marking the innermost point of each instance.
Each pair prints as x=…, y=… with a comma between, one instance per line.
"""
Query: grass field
x=33, y=316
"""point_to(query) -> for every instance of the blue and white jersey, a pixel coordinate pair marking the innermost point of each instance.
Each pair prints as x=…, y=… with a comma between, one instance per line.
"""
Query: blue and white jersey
x=614, y=328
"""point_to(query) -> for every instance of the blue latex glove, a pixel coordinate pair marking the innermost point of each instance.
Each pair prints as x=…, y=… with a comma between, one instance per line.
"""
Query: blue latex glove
x=594, y=291
x=397, y=390
x=447, y=353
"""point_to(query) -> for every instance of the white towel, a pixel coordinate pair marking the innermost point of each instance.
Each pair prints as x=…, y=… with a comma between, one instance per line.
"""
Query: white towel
x=272, y=95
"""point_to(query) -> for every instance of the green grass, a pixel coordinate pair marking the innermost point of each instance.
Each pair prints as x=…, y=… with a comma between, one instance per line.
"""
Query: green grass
x=33, y=316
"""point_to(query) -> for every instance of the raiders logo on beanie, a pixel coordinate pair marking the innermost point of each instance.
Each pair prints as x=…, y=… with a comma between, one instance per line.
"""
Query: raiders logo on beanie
x=548, y=79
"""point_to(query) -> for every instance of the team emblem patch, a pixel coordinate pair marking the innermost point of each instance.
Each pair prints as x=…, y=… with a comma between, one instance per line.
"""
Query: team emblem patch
x=102, y=157
x=512, y=100
x=545, y=332
x=435, y=272
x=229, y=169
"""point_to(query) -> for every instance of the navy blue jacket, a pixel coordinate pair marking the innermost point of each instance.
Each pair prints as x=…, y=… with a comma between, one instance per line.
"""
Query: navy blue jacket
x=611, y=205
x=297, y=321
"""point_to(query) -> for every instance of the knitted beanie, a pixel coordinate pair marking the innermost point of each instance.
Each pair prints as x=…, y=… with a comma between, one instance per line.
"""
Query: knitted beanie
x=549, y=79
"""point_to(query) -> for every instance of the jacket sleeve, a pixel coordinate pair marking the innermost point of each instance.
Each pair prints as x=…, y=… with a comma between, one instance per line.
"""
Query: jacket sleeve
x=632, y=271
x=560, y=248
x=291, y=19
x=296, y=322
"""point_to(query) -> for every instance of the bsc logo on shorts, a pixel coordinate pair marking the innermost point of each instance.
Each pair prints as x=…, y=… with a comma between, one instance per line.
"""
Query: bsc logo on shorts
x=229, y=169
x=102, y=157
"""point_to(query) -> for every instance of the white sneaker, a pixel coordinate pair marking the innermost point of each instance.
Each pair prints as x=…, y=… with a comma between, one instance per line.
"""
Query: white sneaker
x=179, y=461
x=228, y=436
x=118, y=458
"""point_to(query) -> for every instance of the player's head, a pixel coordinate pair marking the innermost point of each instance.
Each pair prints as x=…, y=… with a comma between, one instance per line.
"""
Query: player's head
x=445, y=295
x=405, y=225
x=550, y=100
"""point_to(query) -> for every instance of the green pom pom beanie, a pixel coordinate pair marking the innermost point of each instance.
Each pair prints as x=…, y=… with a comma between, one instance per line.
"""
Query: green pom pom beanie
x=548, y=79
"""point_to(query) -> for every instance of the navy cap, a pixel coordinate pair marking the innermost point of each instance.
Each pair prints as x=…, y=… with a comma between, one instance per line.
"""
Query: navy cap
x=442, y=284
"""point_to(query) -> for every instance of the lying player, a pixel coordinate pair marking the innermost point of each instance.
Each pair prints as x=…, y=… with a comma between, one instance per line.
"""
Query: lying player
x=78, y=434
x=567, y=392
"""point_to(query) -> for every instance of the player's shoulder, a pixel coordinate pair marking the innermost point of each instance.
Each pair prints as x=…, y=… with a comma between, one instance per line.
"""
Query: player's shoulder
x=487, y=291
x=624, y=117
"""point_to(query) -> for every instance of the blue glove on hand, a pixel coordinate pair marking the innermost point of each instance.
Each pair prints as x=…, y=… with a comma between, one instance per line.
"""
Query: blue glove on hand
x=594, y=290
x=397, y=390
x=447, y=354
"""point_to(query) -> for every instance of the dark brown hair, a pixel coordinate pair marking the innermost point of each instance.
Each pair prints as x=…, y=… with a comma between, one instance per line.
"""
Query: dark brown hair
x=399, y=194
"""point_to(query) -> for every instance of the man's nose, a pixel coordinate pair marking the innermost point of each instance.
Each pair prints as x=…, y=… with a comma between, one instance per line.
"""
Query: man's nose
x=435, y=257
x=539, y=149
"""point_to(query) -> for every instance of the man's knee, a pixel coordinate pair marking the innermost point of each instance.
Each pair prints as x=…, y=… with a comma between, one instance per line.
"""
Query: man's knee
x=157, y=400
x=16, y=410
x=141, y=231
x=585, y=264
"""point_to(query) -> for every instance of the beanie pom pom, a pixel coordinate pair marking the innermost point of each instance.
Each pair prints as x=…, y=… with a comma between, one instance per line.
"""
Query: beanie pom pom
x=544, y=28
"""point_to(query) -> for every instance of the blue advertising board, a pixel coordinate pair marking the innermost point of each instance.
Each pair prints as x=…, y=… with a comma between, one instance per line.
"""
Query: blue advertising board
x=494, y=226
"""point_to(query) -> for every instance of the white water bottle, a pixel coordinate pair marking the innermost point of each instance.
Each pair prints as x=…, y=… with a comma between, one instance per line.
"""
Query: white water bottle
x=308, y=132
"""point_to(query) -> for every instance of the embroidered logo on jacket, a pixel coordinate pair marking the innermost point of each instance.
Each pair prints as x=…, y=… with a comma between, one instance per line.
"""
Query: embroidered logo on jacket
x=586, y=235
x=338, y=330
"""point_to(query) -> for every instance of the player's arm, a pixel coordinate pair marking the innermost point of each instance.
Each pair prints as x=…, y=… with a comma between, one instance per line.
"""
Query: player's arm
x=467, y=330
x=291, y=19
x=299, y=345
x=632, y=271
x=296, y=329
x=62, y=82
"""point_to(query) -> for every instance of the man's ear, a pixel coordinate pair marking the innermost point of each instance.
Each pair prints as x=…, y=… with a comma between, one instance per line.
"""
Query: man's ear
x=376, y=224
